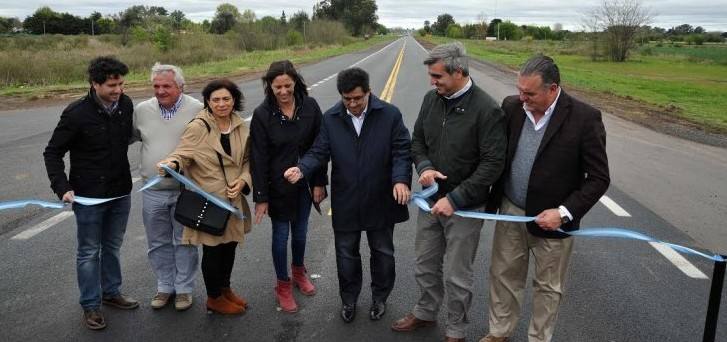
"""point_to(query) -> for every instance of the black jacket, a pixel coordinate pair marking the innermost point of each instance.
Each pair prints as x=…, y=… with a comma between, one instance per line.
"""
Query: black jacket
x=278, y=144
x=570, y=167
x=463, y=139
x=97, y=143
x=364, y=168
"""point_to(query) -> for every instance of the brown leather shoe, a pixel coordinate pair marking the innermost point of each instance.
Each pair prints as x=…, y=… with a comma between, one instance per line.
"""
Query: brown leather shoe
x=93, y=318
x=411, y=323
x=122, y=302
x=453, y=339
x=490, y=338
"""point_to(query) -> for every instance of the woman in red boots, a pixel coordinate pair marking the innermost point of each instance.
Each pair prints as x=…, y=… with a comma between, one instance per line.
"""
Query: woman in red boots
x=283, y=128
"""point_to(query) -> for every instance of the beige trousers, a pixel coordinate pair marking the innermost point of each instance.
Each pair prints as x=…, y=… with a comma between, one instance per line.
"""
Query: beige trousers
x=511, y=249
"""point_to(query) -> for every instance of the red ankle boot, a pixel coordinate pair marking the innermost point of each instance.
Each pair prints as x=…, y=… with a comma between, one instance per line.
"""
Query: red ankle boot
x=300, y=278
x=284, y=293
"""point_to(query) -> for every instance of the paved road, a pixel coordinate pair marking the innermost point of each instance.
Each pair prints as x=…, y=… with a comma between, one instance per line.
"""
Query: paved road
x=618, y=290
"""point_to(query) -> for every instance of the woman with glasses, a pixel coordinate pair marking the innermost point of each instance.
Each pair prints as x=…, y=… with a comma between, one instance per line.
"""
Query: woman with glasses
x=283, y=128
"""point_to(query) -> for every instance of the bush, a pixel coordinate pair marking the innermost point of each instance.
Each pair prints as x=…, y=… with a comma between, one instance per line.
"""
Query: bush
x=294, y=38
x=454, y=31
x=696, y=39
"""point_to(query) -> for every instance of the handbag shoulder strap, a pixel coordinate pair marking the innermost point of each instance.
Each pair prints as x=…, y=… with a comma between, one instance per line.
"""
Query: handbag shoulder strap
x=219, y=157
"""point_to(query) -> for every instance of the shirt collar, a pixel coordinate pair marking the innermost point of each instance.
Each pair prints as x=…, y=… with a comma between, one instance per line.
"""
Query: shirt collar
x=169, y=113
x=109, y=109
x=360, y=117
x=461, y=91
x=546, y=117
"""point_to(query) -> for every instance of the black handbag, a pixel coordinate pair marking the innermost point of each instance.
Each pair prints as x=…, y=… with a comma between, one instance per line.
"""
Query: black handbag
x=196, y=212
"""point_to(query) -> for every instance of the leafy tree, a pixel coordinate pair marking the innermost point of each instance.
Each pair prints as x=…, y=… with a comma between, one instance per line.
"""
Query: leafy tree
x=427, y=27
x=357, y=15
x=454, y=31
x=225, y=18
x=440, y=26
x=493, y=27
x=283, y=19
x=177, y=18
x=248, y=16
x=299, y=20
x=510, y=31
x=9, y=25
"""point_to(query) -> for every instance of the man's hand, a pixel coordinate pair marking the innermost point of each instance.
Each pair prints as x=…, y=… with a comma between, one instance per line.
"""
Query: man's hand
x=549, y=219
x=293, y=175
x=319, y=194
x=68, y=197
x=261, y=209
x=401, y=193
x=234, y=189
x=428, y=177
x=443, y=207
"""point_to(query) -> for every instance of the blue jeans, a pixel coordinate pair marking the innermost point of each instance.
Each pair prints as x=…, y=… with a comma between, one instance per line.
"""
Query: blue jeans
x=100, y=233
x=299, y=230
x=174, y=264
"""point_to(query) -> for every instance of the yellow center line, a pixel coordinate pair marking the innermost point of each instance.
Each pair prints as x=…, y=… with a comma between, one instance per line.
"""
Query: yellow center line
x=388, y=92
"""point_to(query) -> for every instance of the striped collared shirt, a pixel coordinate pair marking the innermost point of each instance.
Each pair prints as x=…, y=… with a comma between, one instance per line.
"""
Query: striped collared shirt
x=168, y=114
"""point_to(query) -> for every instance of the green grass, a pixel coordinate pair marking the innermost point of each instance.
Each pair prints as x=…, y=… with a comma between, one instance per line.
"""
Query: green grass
x=234, y=64
x=714, y=53
x=697, y=88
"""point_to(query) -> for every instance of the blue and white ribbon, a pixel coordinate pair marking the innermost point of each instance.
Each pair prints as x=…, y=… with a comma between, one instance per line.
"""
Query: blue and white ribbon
x=151, y=182
x=194, y=187
x=419, y=198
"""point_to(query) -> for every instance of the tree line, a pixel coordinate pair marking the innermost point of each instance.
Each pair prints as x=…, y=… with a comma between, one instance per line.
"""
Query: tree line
x=357, y=16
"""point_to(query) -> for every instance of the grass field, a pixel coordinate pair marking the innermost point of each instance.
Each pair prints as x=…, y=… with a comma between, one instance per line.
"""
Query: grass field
x=62, y=68
x=691, y=82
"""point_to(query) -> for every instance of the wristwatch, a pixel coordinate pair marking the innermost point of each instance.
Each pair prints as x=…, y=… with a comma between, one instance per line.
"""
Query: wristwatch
x=563, y=216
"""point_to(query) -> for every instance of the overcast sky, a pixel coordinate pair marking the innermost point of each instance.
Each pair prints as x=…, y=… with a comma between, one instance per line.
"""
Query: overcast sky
x=710, y=14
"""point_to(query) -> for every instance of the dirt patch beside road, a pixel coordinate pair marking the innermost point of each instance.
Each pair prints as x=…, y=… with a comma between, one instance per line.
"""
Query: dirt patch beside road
x=660, y=119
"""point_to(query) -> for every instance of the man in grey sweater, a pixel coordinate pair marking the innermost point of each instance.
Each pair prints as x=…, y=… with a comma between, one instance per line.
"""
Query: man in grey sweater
x=159, y=123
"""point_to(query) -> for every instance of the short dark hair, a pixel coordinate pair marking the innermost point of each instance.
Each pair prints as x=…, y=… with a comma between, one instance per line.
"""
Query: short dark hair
x=102, y=68
x=544, y=66
x=226, y=84
x=351, y=78
x=284, y=67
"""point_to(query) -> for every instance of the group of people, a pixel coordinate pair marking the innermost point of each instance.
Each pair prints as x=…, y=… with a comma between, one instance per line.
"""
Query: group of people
x=541, y=153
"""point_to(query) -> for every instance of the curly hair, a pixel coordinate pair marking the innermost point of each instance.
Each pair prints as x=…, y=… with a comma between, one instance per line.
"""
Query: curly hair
x=102, y=68
x=226, y=84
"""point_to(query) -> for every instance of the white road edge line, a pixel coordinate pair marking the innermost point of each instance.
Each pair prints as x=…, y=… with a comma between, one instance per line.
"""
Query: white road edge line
x=37, y=229
x=679, y=261
x=50, y=222
x=420, y=45
x=354, y=64
x=614, y=207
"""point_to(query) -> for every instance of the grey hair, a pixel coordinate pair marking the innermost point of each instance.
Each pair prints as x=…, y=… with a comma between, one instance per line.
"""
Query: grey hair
x=543, y=66
x=162, y=68
x=453, y=55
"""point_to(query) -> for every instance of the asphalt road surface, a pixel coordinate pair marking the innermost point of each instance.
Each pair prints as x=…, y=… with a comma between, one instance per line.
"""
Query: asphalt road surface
x=617, y=290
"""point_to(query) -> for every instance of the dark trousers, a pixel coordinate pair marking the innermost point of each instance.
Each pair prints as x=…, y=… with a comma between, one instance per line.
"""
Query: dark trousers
x=217, y=262
x=382, y=265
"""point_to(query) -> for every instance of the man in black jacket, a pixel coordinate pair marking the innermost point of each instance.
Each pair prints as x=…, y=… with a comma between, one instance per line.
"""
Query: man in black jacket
x=368, y=145
x=556, y=170
x=459, y=141
x=96, y=130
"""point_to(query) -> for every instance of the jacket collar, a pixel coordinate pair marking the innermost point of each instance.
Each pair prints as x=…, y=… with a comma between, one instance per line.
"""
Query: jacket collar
x=559, y=115
x=213, y=138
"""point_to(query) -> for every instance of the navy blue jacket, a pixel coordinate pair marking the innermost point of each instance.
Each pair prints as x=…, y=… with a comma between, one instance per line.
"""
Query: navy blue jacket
x=364, y=168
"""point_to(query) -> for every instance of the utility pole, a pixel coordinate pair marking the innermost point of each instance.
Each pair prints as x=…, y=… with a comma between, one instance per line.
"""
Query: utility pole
x=44, y=27
x=92, y=31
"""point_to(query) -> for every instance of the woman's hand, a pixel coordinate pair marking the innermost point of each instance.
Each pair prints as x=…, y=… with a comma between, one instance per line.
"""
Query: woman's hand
x=261, y=209
x=319, y=194
x=234, y=189
x=160, y=170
